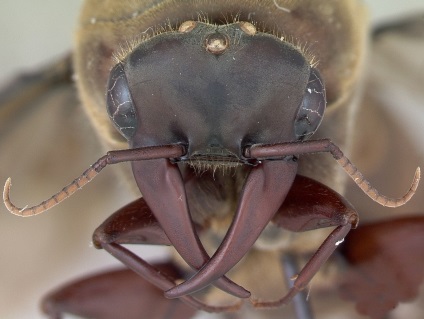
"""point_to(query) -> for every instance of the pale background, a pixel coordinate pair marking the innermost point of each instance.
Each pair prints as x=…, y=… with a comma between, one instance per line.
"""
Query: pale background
x=34, y=32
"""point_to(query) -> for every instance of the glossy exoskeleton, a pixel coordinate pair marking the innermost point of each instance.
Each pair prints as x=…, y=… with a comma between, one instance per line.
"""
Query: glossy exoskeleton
x=217, y=116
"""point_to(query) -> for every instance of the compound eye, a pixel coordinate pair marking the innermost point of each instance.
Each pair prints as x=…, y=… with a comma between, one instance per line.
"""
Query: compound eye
x=120, y=106
x=312, y=109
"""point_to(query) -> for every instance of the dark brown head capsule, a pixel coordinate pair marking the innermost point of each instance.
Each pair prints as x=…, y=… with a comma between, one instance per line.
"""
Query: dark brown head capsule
x=253, y=88
x=246, y=88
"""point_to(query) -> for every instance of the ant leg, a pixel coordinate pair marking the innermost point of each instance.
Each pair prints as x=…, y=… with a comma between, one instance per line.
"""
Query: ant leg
x=127, y=293
x=115, y=294
x=384, y=264
x=311, y=205
x=136, y=224
x=310, y=269
x=301, y=304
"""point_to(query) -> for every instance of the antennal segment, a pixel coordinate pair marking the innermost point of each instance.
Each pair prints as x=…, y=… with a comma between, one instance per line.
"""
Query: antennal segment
x=112, y=157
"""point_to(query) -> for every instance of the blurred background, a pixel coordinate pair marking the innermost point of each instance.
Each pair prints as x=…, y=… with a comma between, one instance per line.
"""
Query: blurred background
x=32, y=33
